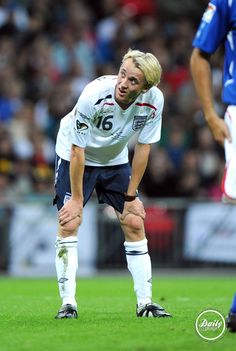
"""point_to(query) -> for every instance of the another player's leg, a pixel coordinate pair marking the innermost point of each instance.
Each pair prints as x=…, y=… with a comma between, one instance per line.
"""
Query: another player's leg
x=231, y=318
x=229, y=179
x=139, y=265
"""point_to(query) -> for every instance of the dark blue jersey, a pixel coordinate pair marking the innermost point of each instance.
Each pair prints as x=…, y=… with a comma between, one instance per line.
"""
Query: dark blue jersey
x=218, y=25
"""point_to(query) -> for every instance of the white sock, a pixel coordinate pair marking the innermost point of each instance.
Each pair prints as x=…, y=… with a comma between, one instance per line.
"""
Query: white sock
x=66, y=266
x=139, y=265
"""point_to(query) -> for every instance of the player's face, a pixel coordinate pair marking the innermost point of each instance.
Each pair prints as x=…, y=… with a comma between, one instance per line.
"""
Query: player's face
x=130, y=83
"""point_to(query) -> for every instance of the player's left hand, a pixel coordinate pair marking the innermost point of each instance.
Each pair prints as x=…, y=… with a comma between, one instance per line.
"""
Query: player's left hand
x=133, y=207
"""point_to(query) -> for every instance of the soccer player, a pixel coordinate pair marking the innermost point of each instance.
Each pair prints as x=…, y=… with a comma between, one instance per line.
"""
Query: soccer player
x=218, y=26
x=92, y=154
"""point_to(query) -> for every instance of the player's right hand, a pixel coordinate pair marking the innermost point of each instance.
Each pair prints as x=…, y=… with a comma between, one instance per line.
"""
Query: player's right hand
x=219, y=129
x=71, y=210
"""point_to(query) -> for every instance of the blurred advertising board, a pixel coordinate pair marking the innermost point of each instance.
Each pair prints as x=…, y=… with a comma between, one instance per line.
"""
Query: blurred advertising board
x=210, y=232
x=32, y=237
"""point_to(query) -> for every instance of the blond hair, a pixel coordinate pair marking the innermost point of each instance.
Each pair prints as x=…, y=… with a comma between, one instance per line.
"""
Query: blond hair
x=148, y=64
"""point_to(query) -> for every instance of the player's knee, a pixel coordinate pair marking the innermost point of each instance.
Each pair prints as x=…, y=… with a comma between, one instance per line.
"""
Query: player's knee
x=133, y=222
x=68, y=229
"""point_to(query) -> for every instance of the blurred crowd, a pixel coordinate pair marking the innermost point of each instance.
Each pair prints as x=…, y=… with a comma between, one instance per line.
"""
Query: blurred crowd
x=49, y=51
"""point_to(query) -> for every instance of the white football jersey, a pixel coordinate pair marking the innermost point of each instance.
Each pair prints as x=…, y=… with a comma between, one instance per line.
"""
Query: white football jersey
x=98, y=124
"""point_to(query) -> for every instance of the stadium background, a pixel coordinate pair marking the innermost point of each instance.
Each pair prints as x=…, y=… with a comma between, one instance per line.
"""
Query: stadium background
x=49, y=50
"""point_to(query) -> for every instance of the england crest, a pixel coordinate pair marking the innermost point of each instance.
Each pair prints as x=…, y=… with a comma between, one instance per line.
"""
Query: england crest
x=138, y=122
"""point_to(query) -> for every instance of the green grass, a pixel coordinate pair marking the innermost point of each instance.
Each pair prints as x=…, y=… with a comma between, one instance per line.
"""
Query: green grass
x=107, y=315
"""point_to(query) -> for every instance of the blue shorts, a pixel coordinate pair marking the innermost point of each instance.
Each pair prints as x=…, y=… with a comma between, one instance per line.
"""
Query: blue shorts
x=110, y=183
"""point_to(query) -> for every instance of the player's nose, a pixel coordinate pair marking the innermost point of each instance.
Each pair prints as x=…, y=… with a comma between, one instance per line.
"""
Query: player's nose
x=123, y=83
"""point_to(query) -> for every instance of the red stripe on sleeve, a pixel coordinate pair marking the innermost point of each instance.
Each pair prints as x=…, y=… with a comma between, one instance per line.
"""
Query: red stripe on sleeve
x=146, y=104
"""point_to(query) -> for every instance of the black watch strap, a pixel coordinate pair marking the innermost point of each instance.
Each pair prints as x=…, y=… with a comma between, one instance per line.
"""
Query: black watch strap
x=130, y=198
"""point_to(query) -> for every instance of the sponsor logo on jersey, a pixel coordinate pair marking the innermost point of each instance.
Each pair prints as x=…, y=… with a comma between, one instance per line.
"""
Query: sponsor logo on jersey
x=118, y=136
x=153, y=115
x=209, y=13
x=81, y=126
x=139, y=122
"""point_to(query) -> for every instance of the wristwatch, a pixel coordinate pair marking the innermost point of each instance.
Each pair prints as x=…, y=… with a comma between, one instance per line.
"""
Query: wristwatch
x=130, y=198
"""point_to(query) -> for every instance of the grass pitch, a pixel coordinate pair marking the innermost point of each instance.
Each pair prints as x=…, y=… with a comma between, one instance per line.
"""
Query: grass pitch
x=107, y=315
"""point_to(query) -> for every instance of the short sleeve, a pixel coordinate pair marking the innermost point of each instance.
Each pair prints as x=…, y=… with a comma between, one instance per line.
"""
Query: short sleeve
x=151, y=132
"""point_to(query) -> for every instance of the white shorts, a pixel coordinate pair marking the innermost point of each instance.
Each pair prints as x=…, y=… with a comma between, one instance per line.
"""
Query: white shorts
x=229, y=179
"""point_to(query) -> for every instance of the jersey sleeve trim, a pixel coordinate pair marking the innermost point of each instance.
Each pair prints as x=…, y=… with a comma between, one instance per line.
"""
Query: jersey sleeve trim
x=146, y=104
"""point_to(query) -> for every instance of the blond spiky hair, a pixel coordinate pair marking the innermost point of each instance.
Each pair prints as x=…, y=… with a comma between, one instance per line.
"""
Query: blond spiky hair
x=148, y=64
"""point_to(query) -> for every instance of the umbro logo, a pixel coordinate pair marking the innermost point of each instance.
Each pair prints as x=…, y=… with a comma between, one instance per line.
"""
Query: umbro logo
x=81, y=126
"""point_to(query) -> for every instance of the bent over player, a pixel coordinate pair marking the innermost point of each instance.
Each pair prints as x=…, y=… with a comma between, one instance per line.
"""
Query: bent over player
x=92, y=154
x=218, y=26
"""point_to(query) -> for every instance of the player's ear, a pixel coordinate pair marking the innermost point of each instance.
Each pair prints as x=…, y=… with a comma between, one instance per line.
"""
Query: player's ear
x=145, y=90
